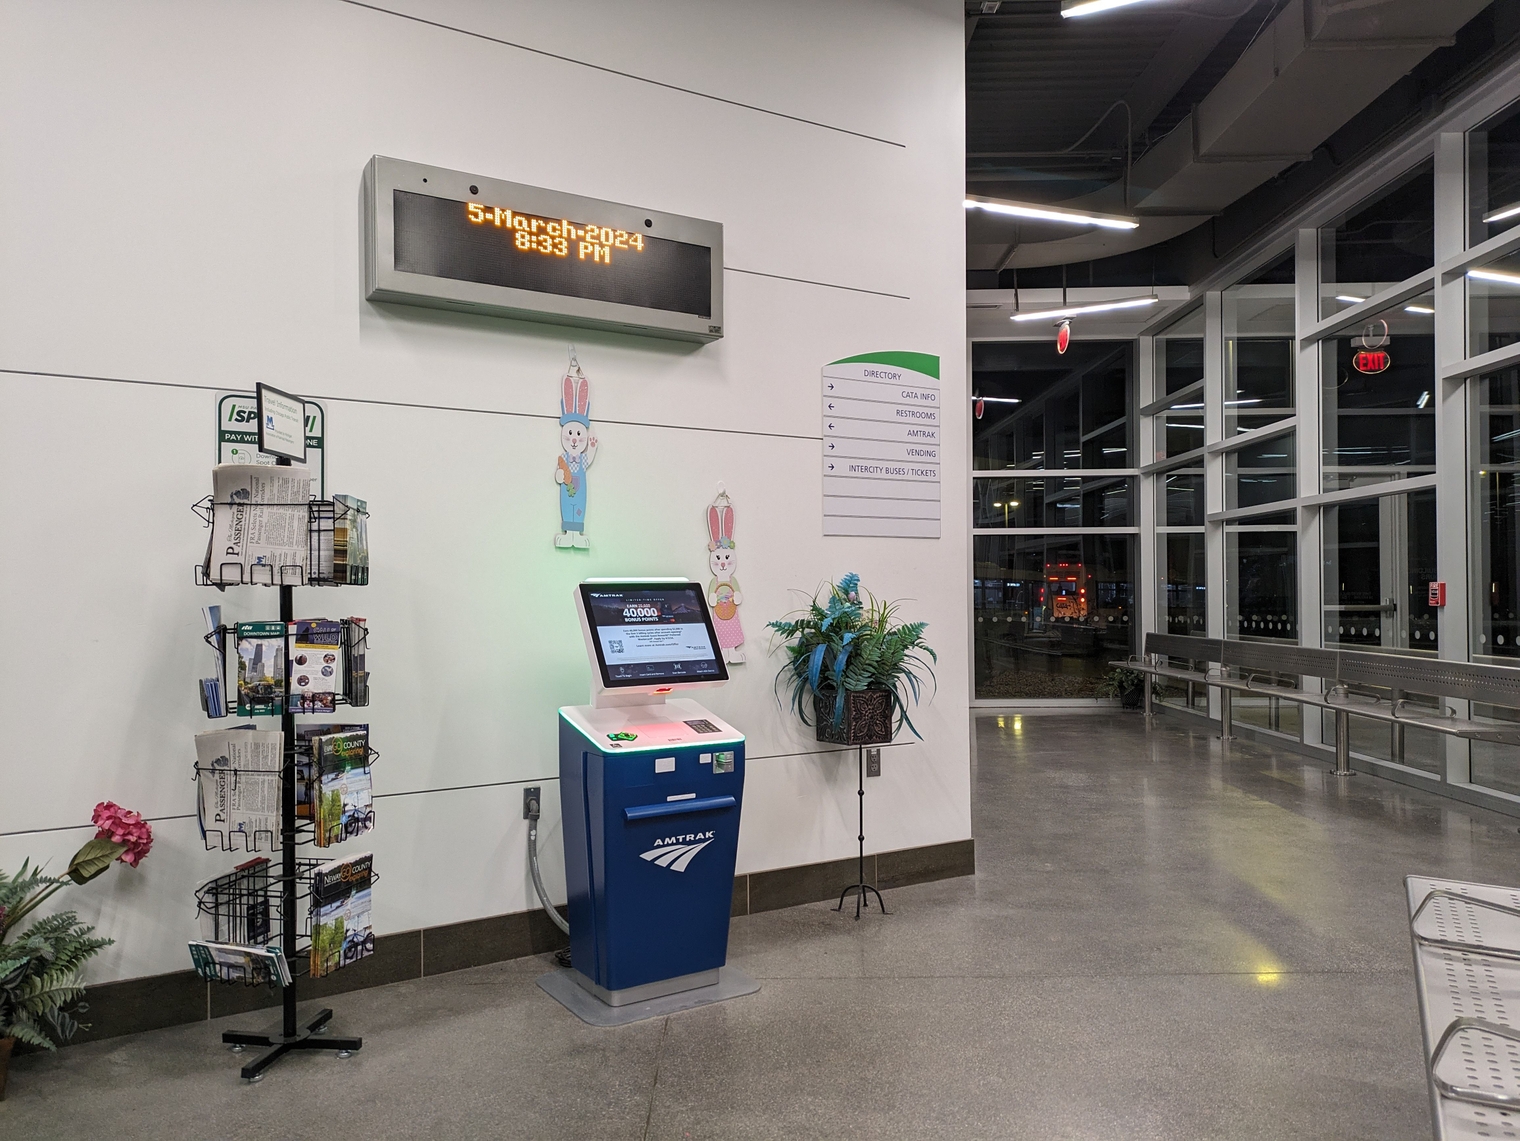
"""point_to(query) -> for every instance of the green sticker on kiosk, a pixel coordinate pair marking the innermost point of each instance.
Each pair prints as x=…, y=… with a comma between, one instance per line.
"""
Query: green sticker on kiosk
x=622, y=736
x=723, y=762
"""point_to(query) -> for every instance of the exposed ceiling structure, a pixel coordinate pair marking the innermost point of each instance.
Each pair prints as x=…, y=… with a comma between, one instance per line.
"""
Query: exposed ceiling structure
x=1168, y=112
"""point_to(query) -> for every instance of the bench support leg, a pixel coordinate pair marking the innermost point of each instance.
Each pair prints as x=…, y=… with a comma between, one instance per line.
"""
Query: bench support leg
x=1226, y=715
x=1274, y=714
x=1343, y=745
x=1149, y=698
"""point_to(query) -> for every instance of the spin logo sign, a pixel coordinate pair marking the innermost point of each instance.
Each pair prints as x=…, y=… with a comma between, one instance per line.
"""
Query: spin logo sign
x=677, y=852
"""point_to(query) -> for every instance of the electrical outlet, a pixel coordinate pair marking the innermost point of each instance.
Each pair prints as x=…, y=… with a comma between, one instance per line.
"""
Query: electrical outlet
x=531, y=803
x=873, y=762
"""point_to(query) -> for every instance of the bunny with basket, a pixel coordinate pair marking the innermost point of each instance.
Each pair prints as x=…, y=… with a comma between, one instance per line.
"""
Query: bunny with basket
x=578, y=450
x=723, y=593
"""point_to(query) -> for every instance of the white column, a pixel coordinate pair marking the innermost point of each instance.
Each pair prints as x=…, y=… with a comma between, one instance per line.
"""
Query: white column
x=1213, y=470
x=1148, y=565
x=1308, y=400
x=1453, y=512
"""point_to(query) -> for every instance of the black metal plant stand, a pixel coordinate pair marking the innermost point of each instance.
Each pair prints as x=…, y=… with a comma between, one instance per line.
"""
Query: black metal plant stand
x=312, y=1036
x=861, y=887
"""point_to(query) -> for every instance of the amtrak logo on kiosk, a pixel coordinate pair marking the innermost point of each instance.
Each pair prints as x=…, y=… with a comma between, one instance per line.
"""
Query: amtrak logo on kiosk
x=677, y=852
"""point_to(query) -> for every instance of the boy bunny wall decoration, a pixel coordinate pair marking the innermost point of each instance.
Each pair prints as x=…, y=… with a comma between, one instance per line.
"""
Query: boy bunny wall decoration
x=723, y=589
x=578, y=448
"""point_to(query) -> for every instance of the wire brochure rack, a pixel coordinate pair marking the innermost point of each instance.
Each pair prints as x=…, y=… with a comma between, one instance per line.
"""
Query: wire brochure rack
x=260, y=902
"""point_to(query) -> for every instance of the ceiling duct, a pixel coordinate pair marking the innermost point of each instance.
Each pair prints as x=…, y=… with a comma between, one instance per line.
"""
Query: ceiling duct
x=1318, y=64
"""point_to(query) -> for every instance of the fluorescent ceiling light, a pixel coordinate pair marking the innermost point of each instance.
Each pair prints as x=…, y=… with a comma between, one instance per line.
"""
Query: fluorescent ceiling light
x=1494, y=275
x=1081, y=310
x=1071, y=8
x=1053, y=214
x=1503, y=213
x=1423, y=400
x=1422, y=310
x=1348, y=299
x=998, y=399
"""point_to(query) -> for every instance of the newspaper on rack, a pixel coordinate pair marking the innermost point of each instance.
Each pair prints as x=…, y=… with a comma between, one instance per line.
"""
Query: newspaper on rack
x=238, y=773
x=259, y=525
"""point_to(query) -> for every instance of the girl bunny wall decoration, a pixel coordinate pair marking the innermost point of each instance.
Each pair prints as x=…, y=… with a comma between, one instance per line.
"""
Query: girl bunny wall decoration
x=723, y=593
x=578, y=448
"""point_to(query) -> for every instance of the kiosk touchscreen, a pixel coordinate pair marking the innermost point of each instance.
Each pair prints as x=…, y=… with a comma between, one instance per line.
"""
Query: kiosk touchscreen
x=652, y=786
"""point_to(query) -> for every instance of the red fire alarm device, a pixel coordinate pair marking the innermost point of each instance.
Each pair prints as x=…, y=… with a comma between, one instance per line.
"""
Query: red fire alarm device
x=1438, y=594
x=1063, y=337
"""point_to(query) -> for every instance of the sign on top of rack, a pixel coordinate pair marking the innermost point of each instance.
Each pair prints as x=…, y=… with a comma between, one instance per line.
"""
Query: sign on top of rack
x=282, y=424
x=881, y=446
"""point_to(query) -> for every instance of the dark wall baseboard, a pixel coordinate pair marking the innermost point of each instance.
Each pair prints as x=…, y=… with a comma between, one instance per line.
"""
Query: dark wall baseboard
x=156, y=1001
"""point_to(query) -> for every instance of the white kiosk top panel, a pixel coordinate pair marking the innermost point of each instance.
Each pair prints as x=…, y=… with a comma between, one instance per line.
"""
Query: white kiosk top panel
x=628, y=729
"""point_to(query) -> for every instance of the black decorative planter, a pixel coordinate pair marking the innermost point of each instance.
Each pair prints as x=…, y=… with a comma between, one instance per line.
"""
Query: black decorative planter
x=1133, y=696
x=867, y=717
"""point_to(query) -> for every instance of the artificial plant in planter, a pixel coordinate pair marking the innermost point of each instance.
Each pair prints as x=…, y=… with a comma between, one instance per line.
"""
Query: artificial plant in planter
x=41, y=966
x=853, y=665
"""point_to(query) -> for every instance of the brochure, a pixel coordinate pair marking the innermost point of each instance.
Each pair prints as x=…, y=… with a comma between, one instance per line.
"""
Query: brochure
x=355, y=659
x=259, y=525
x=314, y=665
x=341, y=930
x=351, y=540
x=213, y=700
x=261, y=669
x=238, y=781
x=234, y=962
x=306, y=774
x=343, y=792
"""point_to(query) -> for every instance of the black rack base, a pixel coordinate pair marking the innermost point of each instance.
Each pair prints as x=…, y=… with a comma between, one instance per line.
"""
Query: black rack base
x=860, y=885
x=860, y=899
x=313, y=1037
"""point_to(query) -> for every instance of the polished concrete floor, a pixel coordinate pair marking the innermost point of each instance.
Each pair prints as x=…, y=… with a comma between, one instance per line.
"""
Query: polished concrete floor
x=1162, y=940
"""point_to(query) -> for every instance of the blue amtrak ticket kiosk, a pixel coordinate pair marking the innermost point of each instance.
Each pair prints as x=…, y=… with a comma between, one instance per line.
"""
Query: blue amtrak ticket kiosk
x=651, y=787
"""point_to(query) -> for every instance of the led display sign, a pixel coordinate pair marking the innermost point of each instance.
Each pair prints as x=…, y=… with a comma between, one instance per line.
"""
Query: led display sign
x=446, y=239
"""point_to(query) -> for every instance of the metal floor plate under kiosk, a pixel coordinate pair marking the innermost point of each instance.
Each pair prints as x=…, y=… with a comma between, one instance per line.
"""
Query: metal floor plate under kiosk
x=651, y=791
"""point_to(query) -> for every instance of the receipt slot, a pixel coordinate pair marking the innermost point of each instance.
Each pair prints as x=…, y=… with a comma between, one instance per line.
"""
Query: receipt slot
x=652, y=787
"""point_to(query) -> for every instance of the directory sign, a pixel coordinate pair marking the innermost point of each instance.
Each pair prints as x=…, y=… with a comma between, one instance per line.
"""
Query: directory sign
x=882, y=435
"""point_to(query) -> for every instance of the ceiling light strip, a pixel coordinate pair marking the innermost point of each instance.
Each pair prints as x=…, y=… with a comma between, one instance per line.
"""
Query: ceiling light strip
x=1071, y=8
x=1051, y=214
x=1082, y=310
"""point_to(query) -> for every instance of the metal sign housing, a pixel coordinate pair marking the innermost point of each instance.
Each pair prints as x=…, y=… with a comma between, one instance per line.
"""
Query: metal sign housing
x=450, y=240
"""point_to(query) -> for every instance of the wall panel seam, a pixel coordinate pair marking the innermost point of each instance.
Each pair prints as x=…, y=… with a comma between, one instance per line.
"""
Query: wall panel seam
x=624, y=74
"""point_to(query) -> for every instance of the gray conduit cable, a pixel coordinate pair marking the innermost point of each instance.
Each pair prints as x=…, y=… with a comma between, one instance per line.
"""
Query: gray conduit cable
x=538, y=880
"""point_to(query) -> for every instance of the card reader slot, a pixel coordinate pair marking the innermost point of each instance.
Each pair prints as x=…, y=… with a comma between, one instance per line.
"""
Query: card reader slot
x=680, y=808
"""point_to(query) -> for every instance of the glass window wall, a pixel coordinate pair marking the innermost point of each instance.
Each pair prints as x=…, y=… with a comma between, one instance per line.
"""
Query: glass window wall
x=1379, y=399
x=1053, y=501
x=1493, y=175
x=1261, y=581
x=1044, y=411
x=1050, y=612
x=1380, y=557
x=1379, y=243
x=1496, y=570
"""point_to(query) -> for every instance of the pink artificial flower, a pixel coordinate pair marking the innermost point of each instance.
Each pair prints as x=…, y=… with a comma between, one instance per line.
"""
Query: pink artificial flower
x=122, y=826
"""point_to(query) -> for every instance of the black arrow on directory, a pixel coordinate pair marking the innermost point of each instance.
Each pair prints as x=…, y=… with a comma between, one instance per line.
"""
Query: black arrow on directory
x=831, y=426
x=831, y=386
x=831, y=447
x=831, y=408
x=831, y=467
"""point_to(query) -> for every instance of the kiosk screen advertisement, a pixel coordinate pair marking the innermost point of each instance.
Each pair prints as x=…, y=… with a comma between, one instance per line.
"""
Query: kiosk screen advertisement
x=652, y=635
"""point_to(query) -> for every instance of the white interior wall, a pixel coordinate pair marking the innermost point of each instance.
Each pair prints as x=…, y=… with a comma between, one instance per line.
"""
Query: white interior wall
x=179, y=214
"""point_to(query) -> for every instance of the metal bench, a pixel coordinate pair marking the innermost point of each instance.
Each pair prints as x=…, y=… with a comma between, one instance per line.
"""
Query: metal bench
x=1242, y=665
x=1466, y=943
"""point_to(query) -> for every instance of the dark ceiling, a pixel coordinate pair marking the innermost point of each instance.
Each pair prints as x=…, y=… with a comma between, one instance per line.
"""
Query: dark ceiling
x=1036, y=84
x=1042, y=126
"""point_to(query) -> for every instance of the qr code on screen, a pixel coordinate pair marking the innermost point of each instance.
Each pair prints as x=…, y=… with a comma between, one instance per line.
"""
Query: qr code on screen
x=615, y=646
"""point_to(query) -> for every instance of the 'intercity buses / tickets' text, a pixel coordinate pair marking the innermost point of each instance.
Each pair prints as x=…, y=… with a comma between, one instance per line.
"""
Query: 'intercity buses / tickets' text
x=556, y=237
